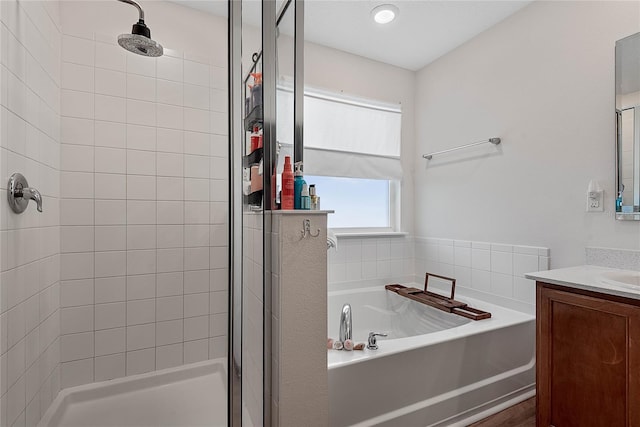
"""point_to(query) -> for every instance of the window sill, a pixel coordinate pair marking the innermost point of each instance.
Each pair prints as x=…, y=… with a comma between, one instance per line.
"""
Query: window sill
x=372, y=234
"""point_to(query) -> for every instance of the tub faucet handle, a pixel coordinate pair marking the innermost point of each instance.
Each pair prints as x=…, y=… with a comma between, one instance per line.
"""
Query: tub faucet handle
x=372, y=343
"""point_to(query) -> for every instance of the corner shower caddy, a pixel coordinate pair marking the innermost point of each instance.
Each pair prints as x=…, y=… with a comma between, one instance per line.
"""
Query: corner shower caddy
x=440, y=302
x=252, y=119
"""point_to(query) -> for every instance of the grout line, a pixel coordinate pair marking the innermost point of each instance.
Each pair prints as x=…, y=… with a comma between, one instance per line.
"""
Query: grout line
x=93, y=122
x=126, y=217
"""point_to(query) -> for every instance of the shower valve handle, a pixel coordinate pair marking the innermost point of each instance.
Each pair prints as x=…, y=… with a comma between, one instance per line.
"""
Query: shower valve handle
x=19, y=193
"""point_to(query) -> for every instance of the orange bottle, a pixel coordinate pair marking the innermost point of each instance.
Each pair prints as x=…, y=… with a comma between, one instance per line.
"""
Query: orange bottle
x=287, y=185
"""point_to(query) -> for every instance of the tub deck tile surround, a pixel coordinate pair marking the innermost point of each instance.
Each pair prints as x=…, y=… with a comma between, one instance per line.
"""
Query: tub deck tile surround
x=493, y=272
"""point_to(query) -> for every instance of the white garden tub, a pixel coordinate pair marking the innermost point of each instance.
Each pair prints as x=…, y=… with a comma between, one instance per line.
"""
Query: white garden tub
x=190, y=395
x=434, y=368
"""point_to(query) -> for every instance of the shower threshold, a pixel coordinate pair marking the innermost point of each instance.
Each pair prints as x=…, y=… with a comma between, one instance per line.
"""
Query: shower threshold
x=190, y=395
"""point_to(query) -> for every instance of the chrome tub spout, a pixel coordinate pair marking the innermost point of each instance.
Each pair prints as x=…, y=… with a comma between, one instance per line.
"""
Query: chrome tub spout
x=346, y=327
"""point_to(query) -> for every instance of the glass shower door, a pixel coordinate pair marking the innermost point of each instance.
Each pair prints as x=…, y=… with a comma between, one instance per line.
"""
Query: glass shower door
x=266, y=124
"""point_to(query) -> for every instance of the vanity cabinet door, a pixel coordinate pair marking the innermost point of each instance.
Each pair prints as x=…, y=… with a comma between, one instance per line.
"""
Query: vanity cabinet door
x=588, y=360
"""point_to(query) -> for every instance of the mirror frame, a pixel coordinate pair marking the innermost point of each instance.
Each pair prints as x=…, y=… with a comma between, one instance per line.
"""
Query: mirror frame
x=634, y=214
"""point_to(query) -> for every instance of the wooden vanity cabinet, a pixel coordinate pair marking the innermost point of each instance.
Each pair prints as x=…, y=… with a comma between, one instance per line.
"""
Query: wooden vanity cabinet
x=588, y=358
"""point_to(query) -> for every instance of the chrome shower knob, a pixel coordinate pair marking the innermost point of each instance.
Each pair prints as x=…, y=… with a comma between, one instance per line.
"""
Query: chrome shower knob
x=19, y=193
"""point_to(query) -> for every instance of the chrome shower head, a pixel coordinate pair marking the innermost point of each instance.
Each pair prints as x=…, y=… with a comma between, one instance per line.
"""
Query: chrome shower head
x=139, y=41
x=141, y=45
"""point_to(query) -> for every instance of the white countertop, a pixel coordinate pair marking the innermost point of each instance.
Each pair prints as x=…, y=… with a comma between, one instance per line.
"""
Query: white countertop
x=592, y=278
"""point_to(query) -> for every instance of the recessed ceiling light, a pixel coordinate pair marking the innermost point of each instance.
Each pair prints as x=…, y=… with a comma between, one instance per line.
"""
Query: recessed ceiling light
x=385, y=13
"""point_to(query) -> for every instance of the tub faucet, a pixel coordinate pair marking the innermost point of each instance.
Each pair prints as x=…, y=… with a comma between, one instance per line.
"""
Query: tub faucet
x=346, y=327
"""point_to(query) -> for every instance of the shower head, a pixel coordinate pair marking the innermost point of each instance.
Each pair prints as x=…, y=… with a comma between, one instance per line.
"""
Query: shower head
x=142, y=45
x=139, y=41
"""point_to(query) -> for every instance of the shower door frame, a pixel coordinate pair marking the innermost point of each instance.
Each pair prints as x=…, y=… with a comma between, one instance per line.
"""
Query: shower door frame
x=270, y=19
x=234, y=349
x=236, y=130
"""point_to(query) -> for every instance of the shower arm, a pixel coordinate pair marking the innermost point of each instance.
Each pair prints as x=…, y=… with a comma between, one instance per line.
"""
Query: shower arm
x=137, y=6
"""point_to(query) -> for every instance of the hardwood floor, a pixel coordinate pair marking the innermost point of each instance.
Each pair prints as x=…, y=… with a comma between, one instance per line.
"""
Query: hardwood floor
x=521, y=415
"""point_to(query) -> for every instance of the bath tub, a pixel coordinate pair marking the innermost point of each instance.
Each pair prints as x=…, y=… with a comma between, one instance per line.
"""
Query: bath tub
x=434, y=368
x=189, y=395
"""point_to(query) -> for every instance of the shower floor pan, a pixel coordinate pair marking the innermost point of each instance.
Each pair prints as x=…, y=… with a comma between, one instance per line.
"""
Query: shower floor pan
x=192, y=395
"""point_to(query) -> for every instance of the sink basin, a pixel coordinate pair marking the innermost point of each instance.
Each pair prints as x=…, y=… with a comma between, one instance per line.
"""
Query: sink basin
x=625, y=279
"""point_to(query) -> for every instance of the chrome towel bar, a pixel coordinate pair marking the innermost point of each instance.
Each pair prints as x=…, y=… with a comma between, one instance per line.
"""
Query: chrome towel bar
x=494, y=141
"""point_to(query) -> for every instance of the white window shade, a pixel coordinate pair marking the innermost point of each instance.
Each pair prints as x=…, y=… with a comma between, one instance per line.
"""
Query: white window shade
x=350, y=165
x=341, y=126
x=345, y=138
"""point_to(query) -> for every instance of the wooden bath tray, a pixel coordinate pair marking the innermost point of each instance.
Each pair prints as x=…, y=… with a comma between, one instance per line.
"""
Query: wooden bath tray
x=440, y=302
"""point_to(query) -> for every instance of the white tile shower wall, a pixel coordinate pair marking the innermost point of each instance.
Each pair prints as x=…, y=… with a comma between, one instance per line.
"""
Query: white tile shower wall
x=143, y=210
x=489, y=271
x=30, y=43
x=371, y=259
x=276, y=272
x=252, y=325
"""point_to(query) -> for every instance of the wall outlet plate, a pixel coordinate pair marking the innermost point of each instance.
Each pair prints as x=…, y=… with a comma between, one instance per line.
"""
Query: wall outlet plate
x=595, y=201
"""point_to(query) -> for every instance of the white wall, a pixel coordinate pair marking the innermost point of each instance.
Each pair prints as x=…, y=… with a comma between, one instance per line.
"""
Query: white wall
x=341, y=72
x=543, y=81
x=144, y=209
x=30, y=242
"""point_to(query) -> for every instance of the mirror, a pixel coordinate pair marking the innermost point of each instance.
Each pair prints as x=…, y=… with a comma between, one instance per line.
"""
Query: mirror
x=628, y=128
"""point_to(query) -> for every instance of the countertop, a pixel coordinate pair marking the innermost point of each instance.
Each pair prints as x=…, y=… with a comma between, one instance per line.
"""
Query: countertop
x=591, y=278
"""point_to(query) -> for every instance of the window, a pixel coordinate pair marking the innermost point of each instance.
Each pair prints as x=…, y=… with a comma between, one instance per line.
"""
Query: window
x=358, y=202
x=352, y=155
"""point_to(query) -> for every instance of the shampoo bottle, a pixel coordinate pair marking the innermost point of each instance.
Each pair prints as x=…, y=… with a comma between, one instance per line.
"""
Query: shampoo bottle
x=297, y=185
x=287, y=185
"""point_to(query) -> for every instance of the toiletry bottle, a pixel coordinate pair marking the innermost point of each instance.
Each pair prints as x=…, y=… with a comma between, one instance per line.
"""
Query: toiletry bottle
x=286, y=199
x=305, y=200
x=297, y=185
x=274, y=202
x=256, y=90
x=313, y=197
x=275, y=193
x=619, y=202
x=254, y=139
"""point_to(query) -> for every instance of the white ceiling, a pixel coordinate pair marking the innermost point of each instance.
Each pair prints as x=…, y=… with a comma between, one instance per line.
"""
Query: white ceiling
x=423, y=31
